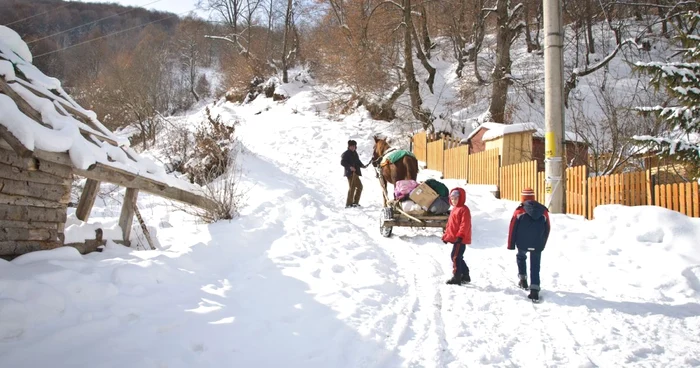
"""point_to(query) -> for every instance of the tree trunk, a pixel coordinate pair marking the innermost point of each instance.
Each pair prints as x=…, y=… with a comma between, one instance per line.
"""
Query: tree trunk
x=589, y=28
x=458, y=41
x=531, y=45
x=478, y=31
x=409, y=72
x=424, y=60
x=499, y=91
x=287, y=26
x=424, y=30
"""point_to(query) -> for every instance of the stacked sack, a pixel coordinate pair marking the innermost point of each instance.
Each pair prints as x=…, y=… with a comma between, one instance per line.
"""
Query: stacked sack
x=421, y=198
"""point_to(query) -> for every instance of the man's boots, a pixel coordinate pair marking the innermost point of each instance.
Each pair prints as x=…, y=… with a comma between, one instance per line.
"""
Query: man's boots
x=455, y=280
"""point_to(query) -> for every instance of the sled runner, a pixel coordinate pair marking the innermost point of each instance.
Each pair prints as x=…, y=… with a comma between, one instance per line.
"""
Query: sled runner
x=393, y=216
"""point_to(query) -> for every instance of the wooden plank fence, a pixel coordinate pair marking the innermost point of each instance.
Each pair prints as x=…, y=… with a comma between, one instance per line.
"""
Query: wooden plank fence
x=583, y=193
x=514, y=178
x=456, y=161
x=680, y=197
x=483, y=167
x=576, y=191
x=420, y=149
x=436, y=155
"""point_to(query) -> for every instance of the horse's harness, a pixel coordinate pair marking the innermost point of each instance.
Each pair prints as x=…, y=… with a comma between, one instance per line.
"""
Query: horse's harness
x=379, y=159
x=376, y=163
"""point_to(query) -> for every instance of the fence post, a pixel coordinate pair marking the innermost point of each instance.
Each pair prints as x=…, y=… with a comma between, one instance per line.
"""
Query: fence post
x=650, y=189
x=584, y=188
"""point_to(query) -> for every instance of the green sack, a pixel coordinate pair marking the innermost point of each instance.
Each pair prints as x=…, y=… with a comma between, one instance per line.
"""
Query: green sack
x=438, y=187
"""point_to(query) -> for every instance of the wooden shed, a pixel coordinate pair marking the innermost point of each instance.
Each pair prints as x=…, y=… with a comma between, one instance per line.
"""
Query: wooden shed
x=46, y=139
x=523, y=142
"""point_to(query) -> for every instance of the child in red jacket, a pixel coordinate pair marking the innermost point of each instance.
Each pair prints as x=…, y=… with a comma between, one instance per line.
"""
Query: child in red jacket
x=459, y=233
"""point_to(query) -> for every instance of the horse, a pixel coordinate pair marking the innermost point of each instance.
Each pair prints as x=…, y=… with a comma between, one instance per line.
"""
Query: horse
x=404, y=169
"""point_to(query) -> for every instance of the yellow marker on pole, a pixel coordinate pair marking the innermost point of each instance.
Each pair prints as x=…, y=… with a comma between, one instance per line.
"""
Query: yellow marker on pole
x=551, y=145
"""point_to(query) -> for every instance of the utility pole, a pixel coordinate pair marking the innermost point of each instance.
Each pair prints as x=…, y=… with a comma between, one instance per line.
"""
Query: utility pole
x=555, y=180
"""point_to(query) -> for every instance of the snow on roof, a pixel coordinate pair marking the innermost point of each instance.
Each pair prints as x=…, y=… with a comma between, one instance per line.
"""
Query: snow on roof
x=496, y=130
x=499, y=130
x=60, y=124
x=570, y=136
x=488, y=126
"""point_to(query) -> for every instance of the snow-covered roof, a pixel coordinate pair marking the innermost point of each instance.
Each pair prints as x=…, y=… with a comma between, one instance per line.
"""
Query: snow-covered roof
x=496, y=130
x=499, y=130
x=570, y=136
x=488, y=126
x=36, y=113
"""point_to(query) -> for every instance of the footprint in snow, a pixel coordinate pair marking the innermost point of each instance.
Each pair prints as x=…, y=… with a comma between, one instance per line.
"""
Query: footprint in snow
x=338, y=268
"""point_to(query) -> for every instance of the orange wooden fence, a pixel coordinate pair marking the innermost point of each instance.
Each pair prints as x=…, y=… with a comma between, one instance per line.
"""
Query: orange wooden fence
x=629, y=189
x=483, y=167
x=514, y=178
x=583, y=194
x=420, y=148
x=455, y=163
x=681, y=197
x=576, y=190
x=436, y=155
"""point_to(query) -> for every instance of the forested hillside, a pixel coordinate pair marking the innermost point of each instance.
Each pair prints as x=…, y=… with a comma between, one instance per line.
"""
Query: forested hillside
x=133, y=66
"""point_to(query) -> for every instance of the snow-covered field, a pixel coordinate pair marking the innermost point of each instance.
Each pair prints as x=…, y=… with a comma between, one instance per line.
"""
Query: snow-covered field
x=300, y=281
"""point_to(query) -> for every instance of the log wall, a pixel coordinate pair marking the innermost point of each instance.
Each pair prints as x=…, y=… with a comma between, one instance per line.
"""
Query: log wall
x=34, y=195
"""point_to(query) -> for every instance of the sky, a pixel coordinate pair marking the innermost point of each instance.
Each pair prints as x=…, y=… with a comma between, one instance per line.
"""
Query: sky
x=173, y=6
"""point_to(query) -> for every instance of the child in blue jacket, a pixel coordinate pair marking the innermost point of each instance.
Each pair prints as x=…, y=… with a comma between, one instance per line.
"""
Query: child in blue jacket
x=529, y=231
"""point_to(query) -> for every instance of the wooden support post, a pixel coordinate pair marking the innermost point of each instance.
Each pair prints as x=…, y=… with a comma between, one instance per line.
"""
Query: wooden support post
x=127, y=215
x=87, y=199
x=143, y=227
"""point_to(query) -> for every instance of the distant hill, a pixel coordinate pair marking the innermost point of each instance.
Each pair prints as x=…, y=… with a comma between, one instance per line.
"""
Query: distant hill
x=76, y=23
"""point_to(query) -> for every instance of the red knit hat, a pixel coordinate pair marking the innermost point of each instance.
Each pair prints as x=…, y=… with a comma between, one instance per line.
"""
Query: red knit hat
x=527, y=195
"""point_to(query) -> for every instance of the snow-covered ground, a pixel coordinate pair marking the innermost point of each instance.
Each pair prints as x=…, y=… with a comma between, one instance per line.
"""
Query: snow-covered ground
x=300, y=281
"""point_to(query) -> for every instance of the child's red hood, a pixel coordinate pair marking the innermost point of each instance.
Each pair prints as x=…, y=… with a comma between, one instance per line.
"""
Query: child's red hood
x=462, y=196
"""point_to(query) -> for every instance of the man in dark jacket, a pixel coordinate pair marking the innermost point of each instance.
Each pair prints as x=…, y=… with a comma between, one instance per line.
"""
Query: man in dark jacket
x=529, y=231
x=352, y=164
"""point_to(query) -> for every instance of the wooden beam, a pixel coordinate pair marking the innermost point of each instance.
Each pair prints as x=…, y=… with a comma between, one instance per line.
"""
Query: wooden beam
x=22, y=104
x=126, y=179
x=31, y=225
x=34, y=176
x=87, y=199
x=28, y=201
x=108, y=174
x=58, y=193
x=16, y=145
x=144, y=228
x=16, y=213
x=127, y=216
x=7, y=234
x=15, y=248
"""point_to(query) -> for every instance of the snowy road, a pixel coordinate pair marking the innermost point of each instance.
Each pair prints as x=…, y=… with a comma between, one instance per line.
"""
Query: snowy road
x=300, y=281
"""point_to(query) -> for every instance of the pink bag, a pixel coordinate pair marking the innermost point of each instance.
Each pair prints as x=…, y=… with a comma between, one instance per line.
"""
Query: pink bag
x=403, y=188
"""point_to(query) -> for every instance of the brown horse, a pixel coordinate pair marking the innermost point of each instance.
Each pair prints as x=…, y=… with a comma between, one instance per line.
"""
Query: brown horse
x=404, y=169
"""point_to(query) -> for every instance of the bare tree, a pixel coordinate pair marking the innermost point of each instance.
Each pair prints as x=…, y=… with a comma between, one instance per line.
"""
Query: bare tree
x=190, y=35
x=288, y=24
x=229, y=12
x=509, y=29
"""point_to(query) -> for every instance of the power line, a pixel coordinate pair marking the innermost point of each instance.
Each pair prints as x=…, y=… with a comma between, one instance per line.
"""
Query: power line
x=93, y=22
x=109, y=35
x=36, y=15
